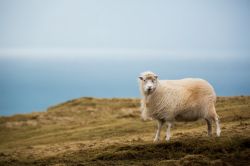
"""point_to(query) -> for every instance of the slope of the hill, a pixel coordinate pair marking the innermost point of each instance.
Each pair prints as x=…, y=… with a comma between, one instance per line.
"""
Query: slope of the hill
x=91, y=131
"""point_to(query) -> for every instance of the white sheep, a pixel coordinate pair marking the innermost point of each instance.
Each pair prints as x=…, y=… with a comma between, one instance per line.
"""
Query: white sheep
x=168, y=101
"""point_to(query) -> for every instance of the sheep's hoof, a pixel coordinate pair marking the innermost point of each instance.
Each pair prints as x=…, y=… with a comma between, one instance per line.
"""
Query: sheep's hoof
x=156, y=140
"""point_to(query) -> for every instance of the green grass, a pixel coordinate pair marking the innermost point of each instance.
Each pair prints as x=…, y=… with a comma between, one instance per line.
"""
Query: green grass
x=90, y=131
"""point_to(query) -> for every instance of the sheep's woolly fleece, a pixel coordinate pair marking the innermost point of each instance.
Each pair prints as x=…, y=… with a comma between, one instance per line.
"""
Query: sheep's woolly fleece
x=186, y=99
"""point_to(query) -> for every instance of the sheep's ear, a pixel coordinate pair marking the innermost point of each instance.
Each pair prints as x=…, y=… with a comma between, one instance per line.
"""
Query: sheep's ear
x=140, y=77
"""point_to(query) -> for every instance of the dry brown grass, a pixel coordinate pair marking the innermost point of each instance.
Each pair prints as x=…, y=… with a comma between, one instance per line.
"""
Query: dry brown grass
x=90, y=131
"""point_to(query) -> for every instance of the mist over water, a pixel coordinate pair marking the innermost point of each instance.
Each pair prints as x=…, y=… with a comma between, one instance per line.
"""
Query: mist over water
x=34, y=84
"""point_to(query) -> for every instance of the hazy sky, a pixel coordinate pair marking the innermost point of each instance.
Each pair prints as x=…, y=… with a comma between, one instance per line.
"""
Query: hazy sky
x=186, y=25
x=54, y=50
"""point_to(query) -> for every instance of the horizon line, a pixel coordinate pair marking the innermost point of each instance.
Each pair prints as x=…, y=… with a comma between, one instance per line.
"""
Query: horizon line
x=118, y=52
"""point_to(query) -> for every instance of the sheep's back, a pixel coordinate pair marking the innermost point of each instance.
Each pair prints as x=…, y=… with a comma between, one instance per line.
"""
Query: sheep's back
x=190, y=86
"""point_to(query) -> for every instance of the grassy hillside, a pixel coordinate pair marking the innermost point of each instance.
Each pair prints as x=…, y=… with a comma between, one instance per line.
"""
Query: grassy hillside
x=90, y=131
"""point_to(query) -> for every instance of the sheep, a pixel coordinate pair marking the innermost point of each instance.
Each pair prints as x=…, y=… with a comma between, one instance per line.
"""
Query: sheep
x=167, y=101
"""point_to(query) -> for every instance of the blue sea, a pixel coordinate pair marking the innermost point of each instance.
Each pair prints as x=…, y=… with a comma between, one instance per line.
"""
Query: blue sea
x=30, y=84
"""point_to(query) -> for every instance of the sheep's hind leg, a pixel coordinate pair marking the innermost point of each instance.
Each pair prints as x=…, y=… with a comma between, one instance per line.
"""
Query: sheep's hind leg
x=217, y=126
x=213, y=116
x=158, y=132
x=168, y=132
x=209, y=127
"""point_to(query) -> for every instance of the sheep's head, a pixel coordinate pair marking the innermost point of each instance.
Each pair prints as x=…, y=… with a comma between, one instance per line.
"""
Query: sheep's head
x=148, y=82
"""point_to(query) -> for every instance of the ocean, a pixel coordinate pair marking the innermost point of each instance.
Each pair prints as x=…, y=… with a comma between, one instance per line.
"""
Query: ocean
x=30, y=84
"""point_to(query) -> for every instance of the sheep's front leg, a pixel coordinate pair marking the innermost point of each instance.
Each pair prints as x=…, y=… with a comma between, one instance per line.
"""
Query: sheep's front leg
x=168, y=132
x=158, y=132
